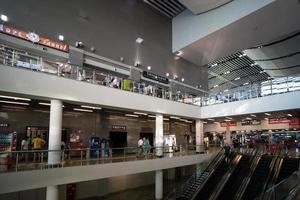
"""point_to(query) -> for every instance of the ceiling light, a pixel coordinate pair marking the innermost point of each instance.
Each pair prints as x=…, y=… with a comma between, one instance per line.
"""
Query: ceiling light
x=246, y=83
x=226, y=90
x=248, y=118
x=167, y=74
x=227, y=72
x=130, y=115
x=15, y=98
x=228, y=117
x=140, y=113
x=82, y=110
x=61, y=38
x=149, y=68
x=213, y=65
x=238, y=78
x=139, y=40
x=47, y=104
x=244, y=54
x=227, y=120
x=268, y=114
x=152, y=116
x=179, y=53
x=290, y=115
x=204, y=122
x=13, y=102
x=166, y=119
x=187, y=121
x=216, y=86
x=91, y=107
x=172, y=117
x=216, y=122
x=182, y=80
x=253, y=115
x=4, y=18
x=211, y=119
x=266, y=118
x=262, y=71
x=240, y=56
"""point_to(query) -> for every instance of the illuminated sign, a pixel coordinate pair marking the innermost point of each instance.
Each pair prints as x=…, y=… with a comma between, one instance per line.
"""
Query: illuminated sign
x=226, y=124
x=155, y=77
x=33, y=37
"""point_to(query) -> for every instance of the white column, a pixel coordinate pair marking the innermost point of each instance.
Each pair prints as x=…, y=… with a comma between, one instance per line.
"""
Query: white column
x=159, y=135
x=228, y=136
x=55, y=125
x=199, y=136
x=159, y=184
x=52, y=193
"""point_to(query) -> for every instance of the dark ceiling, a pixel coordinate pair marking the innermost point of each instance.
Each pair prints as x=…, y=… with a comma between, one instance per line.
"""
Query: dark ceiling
x=170, y=8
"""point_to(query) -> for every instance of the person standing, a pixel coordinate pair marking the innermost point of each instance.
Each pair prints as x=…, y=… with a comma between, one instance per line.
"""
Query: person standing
x=227, y=151
x=37, y=143
x=24, y=148
x=140, y=147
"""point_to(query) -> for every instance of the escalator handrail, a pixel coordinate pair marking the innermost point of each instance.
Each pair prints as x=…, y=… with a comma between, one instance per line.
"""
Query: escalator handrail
x=211, y=164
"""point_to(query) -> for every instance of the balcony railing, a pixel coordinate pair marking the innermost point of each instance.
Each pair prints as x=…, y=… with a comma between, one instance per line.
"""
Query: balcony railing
x=14, y=161
x=18, y=58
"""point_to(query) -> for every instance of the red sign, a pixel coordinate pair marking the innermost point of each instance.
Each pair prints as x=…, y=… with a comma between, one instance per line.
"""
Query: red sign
x=226, y=124
x=118, y=128
x=279, y=121
x=33, y=37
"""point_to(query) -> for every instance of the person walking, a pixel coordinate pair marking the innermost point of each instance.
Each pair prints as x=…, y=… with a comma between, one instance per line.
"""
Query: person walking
x=37, y=143
x=140, y=148
x=227, y=151
x=147, y=147
x=24, y=148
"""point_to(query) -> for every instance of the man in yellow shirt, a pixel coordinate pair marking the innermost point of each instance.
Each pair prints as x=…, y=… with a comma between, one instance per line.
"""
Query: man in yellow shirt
x=37, y=143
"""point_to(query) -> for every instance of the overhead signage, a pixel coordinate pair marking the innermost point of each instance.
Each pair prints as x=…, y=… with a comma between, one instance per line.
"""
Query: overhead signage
x=250, y=122
x=155, y=77
x=28, y=65
x=282, y=120
x=33, y=37
x=118, y=128
x=227, y=124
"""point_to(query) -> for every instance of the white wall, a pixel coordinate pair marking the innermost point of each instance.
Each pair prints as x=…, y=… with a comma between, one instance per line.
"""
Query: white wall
x=188, y=28
x=40, y=85
x=19, y=181
x=263, y=126
x=277, y=102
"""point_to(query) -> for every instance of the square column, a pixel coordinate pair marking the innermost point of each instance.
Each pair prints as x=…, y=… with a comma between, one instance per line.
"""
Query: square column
x=228, y=136
x=159, y=184
x=199, y=136
x=159, y=135
x=52, y=193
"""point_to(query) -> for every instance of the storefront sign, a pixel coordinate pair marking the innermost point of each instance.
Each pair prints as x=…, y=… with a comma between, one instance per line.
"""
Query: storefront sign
x=226, y=124
x=155, y=77
x=283, y=120
x=250, y=122
x=28, y=65
x=33, y=37
x=118, y=128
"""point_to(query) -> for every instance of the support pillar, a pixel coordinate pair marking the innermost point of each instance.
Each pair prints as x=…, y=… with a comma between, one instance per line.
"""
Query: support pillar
x=55, y=125
x=159, y=140
x=199, y=136
x=52, y=193
x=228, y=136
x=159, y=184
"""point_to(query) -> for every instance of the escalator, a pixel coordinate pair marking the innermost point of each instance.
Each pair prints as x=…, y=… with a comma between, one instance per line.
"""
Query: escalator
x=209, y=187
x=288, y=166
x=236, y=178
x=259, y=178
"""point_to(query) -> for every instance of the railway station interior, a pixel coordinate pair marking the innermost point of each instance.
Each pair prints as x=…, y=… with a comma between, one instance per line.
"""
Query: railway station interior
x=150, y=99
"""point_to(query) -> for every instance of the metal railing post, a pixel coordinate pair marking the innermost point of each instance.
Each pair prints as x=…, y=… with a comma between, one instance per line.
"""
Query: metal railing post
x=81, y=156
x=42, y=159
x=17, y=161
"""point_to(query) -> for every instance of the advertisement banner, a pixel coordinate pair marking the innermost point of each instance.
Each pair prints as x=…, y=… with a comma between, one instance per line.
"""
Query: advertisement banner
x=226, y=124
x=283, y=120
x=250, y=122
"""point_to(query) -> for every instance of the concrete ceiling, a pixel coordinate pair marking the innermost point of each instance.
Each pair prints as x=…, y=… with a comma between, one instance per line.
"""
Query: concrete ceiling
x=267, y=24
x=200, y=6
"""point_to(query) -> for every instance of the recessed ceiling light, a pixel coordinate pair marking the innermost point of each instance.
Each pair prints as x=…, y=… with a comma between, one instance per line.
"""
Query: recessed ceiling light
x=216, y=86
x=204, y=122
x=266, y=118
x=246, y=83
x=172, y=117
x=15, y=98
x=268, y=114
x=253, y=115
x=211, y=119
x=290, y=115
x=139, y=40
x=263, y=71
x=213, y=65
x=226, y=90
x=130, y=115
x=4, y=18
x=227, y=120
x=166, y=119
x=47, y=104
x=248, y=118
x=182, y=80
x=91, y=107
x=167, y=74
x=228, y=117
x=149, y=68
x=152, y=116
x=82, y=110
x=238, y=78
x=227, y=72
x=12, y=102
x=61, y=38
